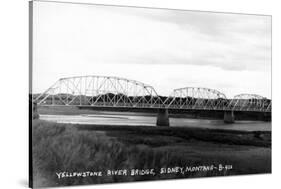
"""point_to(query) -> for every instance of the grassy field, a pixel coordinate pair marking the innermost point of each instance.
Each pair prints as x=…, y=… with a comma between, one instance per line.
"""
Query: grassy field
x=65, y=147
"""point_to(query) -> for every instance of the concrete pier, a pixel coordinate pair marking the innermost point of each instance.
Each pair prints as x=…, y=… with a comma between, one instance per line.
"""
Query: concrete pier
x=228, y=117
x=267, y=116
x=163, y=118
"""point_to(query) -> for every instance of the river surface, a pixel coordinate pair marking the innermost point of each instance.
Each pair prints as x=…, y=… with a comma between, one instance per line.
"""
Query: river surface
x=139, y=119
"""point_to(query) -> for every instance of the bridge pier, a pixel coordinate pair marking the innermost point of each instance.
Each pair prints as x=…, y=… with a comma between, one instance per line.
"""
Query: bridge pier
x=163, y=118
x=267, y=116
x=228, y=117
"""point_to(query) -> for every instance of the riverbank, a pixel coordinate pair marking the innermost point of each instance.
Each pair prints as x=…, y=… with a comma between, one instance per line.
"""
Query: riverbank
x=173, y=113
x=74, y=115
x=72, y=147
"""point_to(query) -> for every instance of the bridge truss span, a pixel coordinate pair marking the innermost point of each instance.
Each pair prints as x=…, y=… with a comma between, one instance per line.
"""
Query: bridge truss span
x=100, y=91
x=249, y=102
x=196, y=98
x=107, y=91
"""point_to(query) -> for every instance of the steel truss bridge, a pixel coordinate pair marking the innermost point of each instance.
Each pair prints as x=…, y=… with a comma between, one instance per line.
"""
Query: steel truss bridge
x=103, y=91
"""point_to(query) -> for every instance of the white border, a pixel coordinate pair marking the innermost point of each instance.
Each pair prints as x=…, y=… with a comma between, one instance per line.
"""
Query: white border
x=14, y=92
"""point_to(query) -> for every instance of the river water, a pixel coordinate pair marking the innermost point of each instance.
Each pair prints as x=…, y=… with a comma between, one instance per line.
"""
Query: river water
x=139, y=119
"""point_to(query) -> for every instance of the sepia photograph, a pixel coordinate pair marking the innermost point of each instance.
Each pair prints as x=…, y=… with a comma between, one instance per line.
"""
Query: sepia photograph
x=125, y=94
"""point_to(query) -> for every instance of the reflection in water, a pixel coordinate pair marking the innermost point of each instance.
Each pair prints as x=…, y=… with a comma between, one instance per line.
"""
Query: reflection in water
x=135, y=119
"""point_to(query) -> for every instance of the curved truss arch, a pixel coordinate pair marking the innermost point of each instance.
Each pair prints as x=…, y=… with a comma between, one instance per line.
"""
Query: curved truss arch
x=108, y=77
x=199, y=92
x=248, y=96
x=249, y=102
x=94, y=90
x=196, y=98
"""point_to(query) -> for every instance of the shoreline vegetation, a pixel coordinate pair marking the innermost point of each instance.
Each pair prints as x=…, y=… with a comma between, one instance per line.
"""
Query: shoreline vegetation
x=58, y=147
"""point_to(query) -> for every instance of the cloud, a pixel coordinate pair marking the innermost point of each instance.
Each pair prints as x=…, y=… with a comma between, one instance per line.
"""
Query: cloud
x=71, y=39
x=228, y=41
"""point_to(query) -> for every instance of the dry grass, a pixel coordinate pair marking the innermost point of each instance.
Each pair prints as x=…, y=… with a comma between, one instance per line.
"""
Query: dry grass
x=63, y=147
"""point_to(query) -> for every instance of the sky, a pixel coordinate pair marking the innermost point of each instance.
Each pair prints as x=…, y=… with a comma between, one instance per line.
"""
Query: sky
x=166, y=49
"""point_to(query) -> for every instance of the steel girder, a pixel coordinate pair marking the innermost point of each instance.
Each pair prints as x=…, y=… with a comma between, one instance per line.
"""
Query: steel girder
x=100, y=91
x=196, y=98
x=120, y=92
x=249, y=102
